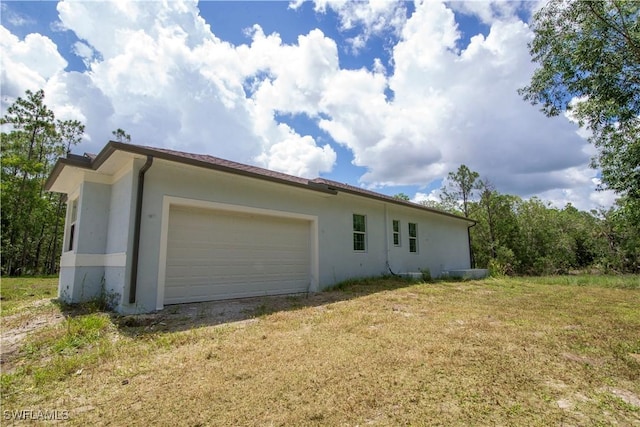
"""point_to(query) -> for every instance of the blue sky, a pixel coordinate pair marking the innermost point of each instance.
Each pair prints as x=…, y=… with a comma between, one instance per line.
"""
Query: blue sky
x=385, y=95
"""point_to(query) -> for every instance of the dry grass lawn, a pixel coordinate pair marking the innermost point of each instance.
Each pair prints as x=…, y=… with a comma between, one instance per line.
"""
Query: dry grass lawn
x=535, y=351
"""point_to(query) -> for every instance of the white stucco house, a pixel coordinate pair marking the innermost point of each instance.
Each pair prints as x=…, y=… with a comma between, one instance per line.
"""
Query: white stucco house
x=153, y=227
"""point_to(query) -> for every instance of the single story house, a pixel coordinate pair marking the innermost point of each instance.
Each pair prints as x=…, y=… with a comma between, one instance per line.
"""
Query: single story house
x=152, y=226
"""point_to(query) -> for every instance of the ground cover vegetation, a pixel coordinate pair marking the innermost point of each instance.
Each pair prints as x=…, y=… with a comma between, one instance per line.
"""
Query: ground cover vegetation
x=588, y=57
x=561, y=350
x=514, y=236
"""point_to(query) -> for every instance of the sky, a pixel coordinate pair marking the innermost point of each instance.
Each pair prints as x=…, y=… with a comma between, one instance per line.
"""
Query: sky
x=388, y=96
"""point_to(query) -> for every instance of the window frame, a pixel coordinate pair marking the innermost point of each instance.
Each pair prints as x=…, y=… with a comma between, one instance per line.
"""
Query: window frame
x=71, y=228
x=413, y=239
x=396, y=235
x=358, y=232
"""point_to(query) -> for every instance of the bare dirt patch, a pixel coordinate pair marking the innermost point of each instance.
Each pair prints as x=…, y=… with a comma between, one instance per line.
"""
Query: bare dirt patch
x=16, y=327
x=211, y=313
x=497, y=353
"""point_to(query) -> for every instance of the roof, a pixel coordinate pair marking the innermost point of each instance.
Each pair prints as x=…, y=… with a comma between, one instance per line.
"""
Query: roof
x=93, y=162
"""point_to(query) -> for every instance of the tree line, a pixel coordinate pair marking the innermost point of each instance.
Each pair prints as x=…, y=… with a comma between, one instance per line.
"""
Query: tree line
x=32, y=220
x=532, y=237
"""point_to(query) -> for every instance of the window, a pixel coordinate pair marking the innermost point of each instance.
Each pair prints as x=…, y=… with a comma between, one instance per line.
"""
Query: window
x=396, y=232
x=73, y=215
x=359, y=232
x=413, y=237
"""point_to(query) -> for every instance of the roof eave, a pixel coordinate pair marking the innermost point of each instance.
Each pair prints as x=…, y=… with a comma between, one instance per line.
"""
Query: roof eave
x=86, y=162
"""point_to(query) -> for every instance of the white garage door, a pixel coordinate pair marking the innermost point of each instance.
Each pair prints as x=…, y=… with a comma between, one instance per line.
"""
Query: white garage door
x=215, y=254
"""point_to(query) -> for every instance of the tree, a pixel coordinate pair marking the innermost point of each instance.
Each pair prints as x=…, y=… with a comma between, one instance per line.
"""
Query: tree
x=402, y=196
x=621, y=249
x=459, y=188
x=121, y=136
x=589, y=58
x=496, y=232
x=31, y=141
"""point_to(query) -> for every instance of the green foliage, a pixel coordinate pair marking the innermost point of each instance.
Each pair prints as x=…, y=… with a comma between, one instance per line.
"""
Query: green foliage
x=426, y=275
x=619, y=231
x=459, y=188
x=16, y=291
x=32, y=219
x=81, y=331
x=515, y=236
x=589, y=58
x=121, y=136
x=402, y=196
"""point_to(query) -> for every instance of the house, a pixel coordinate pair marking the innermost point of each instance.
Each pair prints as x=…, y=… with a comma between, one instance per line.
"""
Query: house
x=151, y=227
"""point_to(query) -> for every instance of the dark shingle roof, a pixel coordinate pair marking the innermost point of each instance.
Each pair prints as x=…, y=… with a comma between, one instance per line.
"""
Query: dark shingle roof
x=91, y=161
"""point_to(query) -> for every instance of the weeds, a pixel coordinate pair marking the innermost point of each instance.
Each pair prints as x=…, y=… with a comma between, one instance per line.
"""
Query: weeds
x=507, y=351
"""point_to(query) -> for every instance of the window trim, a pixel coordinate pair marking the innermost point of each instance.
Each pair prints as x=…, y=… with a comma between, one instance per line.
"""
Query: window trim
x=395, y=233
x=71, y=228
x=362, y=233
x=413, y=240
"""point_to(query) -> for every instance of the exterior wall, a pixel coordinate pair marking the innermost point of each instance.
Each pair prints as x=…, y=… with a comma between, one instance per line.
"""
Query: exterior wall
x=80, y=279
x=98, y=261
x=120, y=236
x=93, y=216
x=79, y=284
x=442, y=241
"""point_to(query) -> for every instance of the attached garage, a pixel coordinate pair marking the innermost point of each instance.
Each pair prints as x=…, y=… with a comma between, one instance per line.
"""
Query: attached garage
x=153, y=226
x=216, y=254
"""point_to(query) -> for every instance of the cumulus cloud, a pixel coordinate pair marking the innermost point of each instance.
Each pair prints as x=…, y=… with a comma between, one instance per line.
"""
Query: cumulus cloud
x=372, y=18
x=28, y=63
x=454, y=106
x=157, y=70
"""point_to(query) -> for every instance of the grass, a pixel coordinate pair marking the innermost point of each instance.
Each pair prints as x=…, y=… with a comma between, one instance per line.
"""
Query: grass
x=512, y=351
x=18, y=292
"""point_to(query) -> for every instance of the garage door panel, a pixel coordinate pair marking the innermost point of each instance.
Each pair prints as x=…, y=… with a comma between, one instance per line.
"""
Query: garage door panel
x=220, y=254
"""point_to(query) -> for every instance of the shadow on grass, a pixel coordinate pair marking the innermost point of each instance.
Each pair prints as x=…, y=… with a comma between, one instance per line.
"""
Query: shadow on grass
x=181, y=317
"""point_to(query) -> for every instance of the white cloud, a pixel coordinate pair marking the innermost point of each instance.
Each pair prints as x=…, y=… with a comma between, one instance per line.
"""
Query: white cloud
x=157, y=70
x=432, y=196
x=300, y=73
x=14, y=18
x=372, y=18
x=488, y=12
x=84, y=51
x=299, y=156
x=452, y=107
x=294, y=5
x=28, y=63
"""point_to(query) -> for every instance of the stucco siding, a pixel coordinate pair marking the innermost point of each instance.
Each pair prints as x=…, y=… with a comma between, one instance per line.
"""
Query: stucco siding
x=80, y=284
x=120, y=214
x=114, y=278
x=441, y=246
x=442, y=243
x=101, y=259
x=92, y=225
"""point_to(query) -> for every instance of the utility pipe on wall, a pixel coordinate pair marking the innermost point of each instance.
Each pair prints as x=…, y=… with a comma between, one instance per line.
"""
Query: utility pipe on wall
x=136, y=231
x=472, y=261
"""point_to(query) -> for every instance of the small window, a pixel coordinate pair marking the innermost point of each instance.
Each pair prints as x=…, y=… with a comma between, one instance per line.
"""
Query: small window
x=413, y=237
x=359, y=232
x=73, y=216
x=396, y=232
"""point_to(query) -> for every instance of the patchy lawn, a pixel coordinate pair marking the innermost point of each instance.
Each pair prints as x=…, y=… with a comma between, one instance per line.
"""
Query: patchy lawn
x=534, y=351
